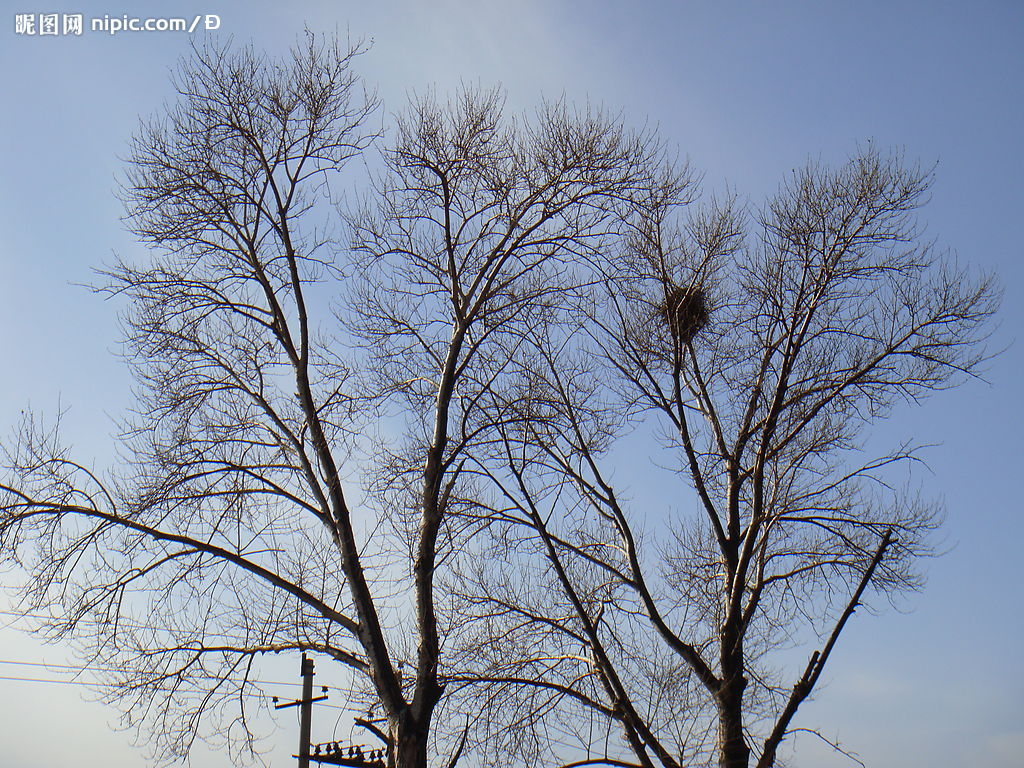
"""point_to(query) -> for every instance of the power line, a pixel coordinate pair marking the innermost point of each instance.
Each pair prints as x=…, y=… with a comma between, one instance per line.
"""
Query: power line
x=83, y=668
x=123, y=621
x=55, y=682
x=94, y=684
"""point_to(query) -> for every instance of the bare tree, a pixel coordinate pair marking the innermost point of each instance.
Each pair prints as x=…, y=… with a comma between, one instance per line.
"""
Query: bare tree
x=293, y=479
x=760, y=349
x=476, y=237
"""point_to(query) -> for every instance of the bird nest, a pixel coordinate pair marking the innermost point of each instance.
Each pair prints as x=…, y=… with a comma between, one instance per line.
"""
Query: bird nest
x=685, y=311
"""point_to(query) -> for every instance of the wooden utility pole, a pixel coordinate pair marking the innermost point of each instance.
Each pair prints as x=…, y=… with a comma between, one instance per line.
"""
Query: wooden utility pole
x=305, y=711
x=305, y=705
x=330, y=753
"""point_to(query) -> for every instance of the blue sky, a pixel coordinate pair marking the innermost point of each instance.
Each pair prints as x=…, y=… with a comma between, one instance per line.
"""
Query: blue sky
x=748, y=91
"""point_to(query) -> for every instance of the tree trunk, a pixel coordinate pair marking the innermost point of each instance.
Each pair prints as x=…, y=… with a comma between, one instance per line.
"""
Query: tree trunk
x=409, y=737
x=733, y=749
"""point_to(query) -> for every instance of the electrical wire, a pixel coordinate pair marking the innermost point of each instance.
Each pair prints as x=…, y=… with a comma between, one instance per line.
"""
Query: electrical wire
x=92, y=684
x=55, y=682
x=82, y=668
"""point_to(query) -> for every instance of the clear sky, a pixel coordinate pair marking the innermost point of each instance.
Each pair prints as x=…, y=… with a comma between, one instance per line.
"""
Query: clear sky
x=747, y=90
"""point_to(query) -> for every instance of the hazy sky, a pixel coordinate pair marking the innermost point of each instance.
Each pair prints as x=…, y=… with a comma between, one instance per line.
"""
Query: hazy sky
x=748, y=91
